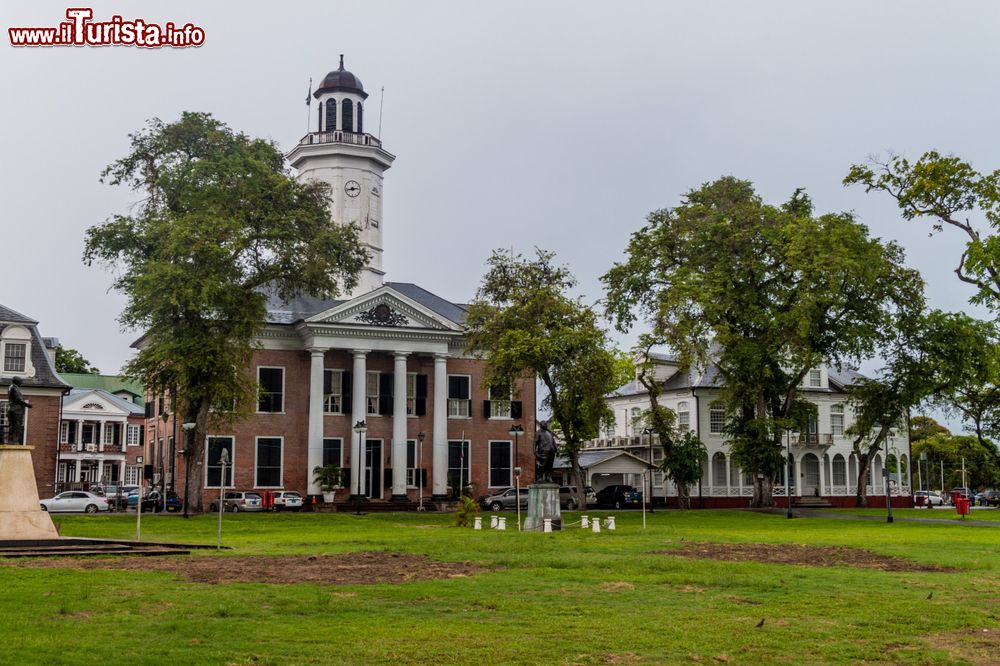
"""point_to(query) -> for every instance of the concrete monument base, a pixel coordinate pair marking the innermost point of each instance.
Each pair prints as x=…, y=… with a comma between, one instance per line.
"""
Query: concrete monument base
x=543, y=502
x=21, y=517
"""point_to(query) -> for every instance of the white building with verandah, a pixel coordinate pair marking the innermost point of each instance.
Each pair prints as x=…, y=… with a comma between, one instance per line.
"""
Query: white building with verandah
x=825, y=468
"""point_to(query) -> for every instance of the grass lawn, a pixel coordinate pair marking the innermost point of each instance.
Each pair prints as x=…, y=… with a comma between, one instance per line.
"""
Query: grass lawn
x=569, y=597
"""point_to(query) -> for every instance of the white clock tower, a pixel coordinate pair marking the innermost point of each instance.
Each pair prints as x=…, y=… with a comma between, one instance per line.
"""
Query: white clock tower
x=351, y=161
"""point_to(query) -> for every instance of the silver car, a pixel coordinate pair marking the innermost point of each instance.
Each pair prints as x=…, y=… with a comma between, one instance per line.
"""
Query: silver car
x=75, y=500
x=287, y=500
x=504, y=499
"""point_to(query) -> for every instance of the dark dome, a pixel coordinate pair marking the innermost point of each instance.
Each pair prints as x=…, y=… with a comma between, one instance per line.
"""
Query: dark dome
x=340, y=80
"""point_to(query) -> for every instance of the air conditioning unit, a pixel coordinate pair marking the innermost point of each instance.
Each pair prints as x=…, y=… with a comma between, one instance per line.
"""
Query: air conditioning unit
x=91, y=448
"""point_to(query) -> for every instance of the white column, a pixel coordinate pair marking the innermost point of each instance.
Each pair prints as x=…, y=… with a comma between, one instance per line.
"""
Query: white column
x=76, y=473
x=100, y=439
x=359, y=412
x=399, y=427
x=100, y=471
x=440, y=428
x=121, y=473
x=314, y=454
x=822, y=475
x=79, y=437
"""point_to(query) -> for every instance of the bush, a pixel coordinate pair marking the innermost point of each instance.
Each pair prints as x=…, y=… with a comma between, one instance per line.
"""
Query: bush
x=468, y=509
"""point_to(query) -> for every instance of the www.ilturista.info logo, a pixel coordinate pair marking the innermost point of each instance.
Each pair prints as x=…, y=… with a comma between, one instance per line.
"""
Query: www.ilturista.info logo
x=80, y=30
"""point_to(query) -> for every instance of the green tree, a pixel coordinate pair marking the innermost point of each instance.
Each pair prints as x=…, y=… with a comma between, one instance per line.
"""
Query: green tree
x=524, y=323
x=922, y=427
x=954, y=453
x=774, y=290
x=949, y=192
x=71, y=361
x=220, y=221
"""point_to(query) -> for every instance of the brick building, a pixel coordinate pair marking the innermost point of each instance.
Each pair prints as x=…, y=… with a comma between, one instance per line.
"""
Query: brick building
x=28, y=355
x=389, y=355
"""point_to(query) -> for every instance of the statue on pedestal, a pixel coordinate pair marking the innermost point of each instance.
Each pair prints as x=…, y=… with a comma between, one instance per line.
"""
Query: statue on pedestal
x=545, y=453
x=16, y=406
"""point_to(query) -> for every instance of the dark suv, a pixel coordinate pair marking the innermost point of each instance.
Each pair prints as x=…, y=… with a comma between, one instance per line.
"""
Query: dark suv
x=153, y=502
x=991, y=498
x=619, y=497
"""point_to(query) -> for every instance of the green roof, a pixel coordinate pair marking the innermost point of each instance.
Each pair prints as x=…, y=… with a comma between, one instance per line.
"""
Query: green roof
x=110, y=383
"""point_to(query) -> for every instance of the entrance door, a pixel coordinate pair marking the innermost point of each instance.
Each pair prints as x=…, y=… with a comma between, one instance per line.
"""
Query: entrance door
x=373, y=468
x=810, y=473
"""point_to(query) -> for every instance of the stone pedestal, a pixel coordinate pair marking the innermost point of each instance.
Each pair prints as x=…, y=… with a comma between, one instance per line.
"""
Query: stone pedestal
x=21, y=517
x=543, y=502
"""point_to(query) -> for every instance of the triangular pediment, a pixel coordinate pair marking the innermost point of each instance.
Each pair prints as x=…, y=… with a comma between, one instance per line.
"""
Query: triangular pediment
x=384, y=308
x=92, y=402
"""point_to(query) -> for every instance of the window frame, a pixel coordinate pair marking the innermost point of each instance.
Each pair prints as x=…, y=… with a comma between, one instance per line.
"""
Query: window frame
x=455, y=401
x=837, y=411
x=262, y=393
x=230, y=466
x=716, y=426
x=281, y=461
x=494, y=402
x=489, y=463
x=23, y=358
x=328, y=396
x=339, y=463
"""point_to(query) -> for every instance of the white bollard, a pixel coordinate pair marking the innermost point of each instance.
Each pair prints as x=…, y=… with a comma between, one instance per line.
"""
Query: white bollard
x=501, y=523
x=595, y=525
x=547, y=525
x=584, y=522
x=610, y=523
x=478, y=523
x=493, y=522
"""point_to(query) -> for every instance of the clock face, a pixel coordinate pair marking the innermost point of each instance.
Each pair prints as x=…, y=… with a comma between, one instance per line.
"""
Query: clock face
x=352, y=188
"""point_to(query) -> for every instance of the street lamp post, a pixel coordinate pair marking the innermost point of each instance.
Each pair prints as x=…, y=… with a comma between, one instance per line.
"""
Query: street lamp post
x=420, y=468
x=361, y=428
x=188, y=434
x=649, y=433
x=223, y=461
x=788, y=473
x=516, y=431
x=885, y=479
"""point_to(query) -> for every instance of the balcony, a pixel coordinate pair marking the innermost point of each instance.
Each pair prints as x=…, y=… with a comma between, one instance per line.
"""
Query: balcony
x=352, y=138
x=92, y=448
x=814, y=439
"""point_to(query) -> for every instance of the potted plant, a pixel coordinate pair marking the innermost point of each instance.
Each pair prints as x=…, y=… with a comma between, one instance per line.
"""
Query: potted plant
x=328, y=478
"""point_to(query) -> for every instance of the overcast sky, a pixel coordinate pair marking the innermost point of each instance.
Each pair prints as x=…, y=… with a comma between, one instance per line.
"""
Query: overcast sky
x=556, y=124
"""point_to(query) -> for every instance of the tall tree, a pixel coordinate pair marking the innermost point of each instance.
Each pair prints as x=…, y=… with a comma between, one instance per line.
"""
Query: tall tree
x=775, y=291
x=220, y=221
x=524, y=323
x=70, y=360
x=949, y=192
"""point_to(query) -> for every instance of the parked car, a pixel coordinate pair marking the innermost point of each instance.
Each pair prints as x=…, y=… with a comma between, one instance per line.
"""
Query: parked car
x=930, y=497
x=964, y=493
x=504, y=499
x=75, y=500
x=236, y=501
x=619, y=497
x=154, y=502
x=991, y=498
x=118, y=495
x=287, y=500
x=568, y=499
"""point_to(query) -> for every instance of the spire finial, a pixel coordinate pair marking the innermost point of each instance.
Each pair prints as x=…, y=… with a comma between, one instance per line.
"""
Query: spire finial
x=341, y=62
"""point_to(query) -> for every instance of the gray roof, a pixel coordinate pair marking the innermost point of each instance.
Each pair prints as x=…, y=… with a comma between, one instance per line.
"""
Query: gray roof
x=127, y=405
x=590, y=458
x=13, y=317
x=303, y=307
x=45, y=373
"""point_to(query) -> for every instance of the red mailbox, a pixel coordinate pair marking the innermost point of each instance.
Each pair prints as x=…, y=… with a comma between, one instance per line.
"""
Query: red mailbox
x=962, y=506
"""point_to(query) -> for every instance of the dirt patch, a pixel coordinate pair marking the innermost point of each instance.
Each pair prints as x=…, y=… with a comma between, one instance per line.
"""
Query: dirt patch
x=617, y=586
x=975, y=646
x=791, y=553
x=345, y=569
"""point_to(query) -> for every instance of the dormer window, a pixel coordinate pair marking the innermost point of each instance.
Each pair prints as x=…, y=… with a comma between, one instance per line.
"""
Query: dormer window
x=815, y=378
x=14, y=356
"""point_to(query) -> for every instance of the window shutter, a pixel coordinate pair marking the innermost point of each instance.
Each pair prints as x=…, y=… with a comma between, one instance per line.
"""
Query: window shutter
x=345, y=477
x=423, y=477
x=149, y=410
x=421, y=386
x=486, y=409
x=347, y=386
x=327, y=381
x=515, y=409
x=385, y=393
x=386, y=479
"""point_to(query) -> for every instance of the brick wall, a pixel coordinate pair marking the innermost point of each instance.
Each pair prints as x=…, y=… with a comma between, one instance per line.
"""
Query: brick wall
x=43, y=434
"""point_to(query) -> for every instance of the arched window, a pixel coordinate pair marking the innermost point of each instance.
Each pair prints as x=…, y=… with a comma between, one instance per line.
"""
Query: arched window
x=347, y=116
x=331, y=115
x=839, y=471
x=361, y=118
x=719, y=468
x=683, y=417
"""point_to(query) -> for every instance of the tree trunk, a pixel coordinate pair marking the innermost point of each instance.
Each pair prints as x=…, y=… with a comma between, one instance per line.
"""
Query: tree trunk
x=194, y=475
x=683, y=495
x=864, y=472
x=763, y=492
x=578, y=481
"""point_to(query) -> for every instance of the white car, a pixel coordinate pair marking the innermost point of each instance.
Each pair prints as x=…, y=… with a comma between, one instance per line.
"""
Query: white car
x=287, y=500
x=75, y=500
x=930, y=498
